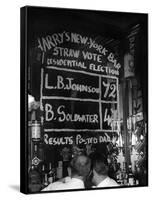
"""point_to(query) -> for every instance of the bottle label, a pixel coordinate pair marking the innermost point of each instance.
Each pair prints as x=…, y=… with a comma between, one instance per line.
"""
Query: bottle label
x=45, y=180
x=50, y=179
x=50, y=166
x=35, y=161
x=59, y=172
x=131, y=181
x=36, y=131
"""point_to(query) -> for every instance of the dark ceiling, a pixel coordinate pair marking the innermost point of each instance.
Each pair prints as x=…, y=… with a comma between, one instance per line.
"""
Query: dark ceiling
x=109, y=24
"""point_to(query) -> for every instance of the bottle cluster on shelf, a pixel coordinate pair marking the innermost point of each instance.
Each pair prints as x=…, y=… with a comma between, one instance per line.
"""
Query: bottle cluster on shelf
x=127, y=174
x=44, y=174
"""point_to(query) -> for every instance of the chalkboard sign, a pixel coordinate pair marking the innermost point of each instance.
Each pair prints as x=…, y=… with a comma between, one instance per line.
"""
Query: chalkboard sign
x=71, y=79
x=79, y=89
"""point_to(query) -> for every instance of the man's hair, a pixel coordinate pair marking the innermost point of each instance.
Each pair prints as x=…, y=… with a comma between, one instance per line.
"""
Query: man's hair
x=100, y=164
x=80, y=165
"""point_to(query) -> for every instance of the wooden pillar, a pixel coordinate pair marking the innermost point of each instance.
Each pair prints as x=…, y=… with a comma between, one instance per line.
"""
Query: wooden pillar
x=125, y=98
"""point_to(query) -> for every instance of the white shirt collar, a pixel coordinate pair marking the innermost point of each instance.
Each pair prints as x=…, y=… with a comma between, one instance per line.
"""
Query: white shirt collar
x=108, y=182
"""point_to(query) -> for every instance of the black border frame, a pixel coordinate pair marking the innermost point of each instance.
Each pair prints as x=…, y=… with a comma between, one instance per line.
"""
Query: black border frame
x=24, y=99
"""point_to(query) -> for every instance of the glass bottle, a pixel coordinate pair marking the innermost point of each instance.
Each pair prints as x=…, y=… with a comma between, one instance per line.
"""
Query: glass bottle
x=35, y=159
x=36, y=131
x=34, y=179
x=130, y=176
x=50, y=174
x=44, y=176
x=121, y=158
x=60, y=170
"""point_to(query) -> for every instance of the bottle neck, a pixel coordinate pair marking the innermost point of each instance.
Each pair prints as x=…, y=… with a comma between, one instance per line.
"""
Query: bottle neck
x=35, y=148
x=33, y=116
x=50, y=166
x=43, y=168
x=32, y=167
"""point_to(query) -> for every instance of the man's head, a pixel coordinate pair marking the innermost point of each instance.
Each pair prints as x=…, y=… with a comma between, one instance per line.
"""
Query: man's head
x=80, y=166
x=100, y=168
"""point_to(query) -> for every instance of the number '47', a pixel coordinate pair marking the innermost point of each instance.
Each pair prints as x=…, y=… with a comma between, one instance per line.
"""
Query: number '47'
x=110, y=118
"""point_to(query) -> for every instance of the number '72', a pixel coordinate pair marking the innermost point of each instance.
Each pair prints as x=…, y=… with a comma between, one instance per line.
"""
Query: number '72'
x=111, y=87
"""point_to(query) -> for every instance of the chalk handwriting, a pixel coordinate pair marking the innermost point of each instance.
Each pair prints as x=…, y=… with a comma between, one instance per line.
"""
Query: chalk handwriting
x=68, y=84
x=78, y=139
x=99, y=48
x=49, y=114
x=58, y=140
x=55, y=40
x=111, y=87
x=62, y=116
x=92, y=56
x=50, y=41
x=79, y=39
x=111, y=58
x=81, y=65
x=103, y=69
x=66, y=63
x=90, y=140
x=104, y=138
x=65, y=52
x=110, y=118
